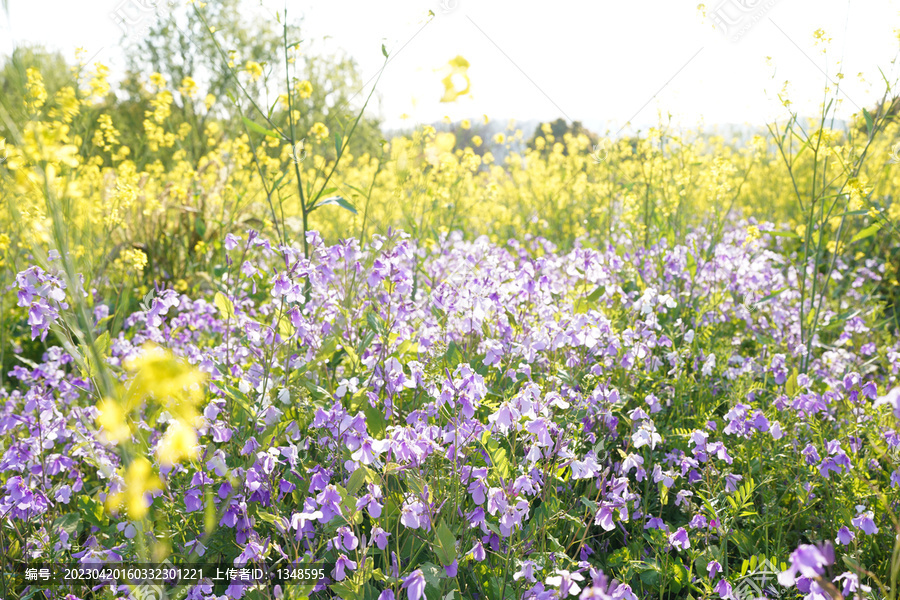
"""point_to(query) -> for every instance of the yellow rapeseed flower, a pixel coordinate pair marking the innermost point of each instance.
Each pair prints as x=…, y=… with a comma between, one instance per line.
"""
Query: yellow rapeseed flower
x=36, y=94
x=188, y=87
x=135, y=258
x=179, y=441
x=171, y=381
x=304, y=89
x=752, y=234
x=319, y=131
x=157, y=80
x=459, y=68
x=66, y=105
x=111, y=418
x=254, y=69
x=139, y=479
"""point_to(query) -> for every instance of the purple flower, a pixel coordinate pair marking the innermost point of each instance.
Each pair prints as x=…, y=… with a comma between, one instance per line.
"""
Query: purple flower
x=865, y=521
x=192, y=500
x=732, y=481
x=64, y=494
x=387, y=595
x=723, y=589
x=646, y=435
x=527, y=571
x=851, y=583
x=699, y=522
x=370, y=503
x=713, y=568
x=478, y=552
x=414, y=515
x=231, y=241
x=504, y=417
x=221, y=433
x=414, y=584
x=452, y=568
x=380, y=537
x=369, y=451
x=340, y=565
x=251, y=552
x=680, y=539
x=128, y=528
x=329, y=501
x=566, y=581
x=775, y=430
x=348, y=539
x=604, y=518
x=845, y=536
x=810, y=561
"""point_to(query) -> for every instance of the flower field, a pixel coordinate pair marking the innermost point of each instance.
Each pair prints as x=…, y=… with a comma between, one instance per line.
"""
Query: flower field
x=454, y=364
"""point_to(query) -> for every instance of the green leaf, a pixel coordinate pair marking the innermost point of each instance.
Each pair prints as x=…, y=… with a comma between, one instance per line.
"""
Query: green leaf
x=329, y=347
x=365, y=342
x=595, y=295
x=768, y=297
x=868, y=119
x=867, y=232
x=70, y=523
x=679, y=577
x=453, y=356
x=92, y=511
x=445, y=547
x=337, y=143
x=433, y=575
x=267, y=517
x=351, y=354
x=356, y=480
x=651, y=576
x=224, y=305
x=370, y=592
x=375, y=324
x=259, y=128
x=347, y=590
x=339, y=201
x=315, y=390
x=102, y=343
x=790, y=386
x=618, y=558
x=200, y=226
x=209, y=512
x=375, y=421
x=408, y=346
x=590, y=504
x=384, y=50
x=499, y=457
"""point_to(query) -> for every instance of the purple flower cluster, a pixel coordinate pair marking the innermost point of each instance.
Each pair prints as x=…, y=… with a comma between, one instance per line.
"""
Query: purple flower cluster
x=497, y=402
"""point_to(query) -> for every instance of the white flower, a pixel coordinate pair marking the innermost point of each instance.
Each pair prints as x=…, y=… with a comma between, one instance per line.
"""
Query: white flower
x=646, y=435
x=708, y=365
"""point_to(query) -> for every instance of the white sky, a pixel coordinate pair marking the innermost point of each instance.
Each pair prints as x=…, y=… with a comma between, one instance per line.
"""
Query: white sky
x=600, y=62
